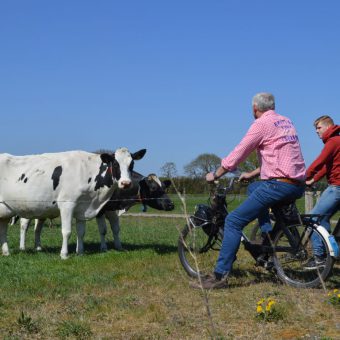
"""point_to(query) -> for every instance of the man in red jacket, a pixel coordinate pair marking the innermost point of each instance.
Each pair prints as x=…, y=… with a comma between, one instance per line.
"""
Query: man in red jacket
x=327, y=163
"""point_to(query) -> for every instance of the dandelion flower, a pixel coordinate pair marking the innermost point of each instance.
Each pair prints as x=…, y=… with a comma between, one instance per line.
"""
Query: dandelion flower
x=271, y=302
x=259, y=309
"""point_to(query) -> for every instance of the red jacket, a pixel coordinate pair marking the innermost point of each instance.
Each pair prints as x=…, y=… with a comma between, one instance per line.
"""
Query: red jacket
x=328, y=162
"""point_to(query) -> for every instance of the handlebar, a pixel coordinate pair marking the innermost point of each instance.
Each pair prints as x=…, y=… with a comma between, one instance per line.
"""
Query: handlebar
x=227, y=188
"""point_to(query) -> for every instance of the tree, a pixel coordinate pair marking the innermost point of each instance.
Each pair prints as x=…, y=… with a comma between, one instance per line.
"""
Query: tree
x=202, y=164
x=169, y=170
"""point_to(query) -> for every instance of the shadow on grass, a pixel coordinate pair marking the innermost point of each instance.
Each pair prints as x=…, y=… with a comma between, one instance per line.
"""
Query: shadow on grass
x=252, y=276
x=158, y=248
x=334, y=279
x=94, y=248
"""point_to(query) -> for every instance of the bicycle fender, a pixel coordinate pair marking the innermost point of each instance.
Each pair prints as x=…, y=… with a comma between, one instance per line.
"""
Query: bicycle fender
x=332, y=246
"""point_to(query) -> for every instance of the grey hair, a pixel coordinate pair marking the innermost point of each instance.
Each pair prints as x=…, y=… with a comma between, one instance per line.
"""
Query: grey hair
x=264, y=101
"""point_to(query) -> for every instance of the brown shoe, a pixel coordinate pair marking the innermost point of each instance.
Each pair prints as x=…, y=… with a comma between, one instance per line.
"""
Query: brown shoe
x=210, y=282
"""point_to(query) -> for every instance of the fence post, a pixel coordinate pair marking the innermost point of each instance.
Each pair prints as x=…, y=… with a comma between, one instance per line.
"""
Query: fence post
x=308, y=201
x=317, y=195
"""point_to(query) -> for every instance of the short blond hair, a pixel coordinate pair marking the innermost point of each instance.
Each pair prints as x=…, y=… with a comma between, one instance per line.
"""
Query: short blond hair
x=326, y=120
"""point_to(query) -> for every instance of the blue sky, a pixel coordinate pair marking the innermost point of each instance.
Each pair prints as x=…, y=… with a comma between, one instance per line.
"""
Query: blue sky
x=175, y=77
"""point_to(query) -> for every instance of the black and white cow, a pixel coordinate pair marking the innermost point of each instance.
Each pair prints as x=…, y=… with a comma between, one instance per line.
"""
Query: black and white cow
x=148, y=190
x=70, y=184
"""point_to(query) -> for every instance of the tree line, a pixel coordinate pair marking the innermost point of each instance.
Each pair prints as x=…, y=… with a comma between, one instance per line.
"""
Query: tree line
x=193, y=182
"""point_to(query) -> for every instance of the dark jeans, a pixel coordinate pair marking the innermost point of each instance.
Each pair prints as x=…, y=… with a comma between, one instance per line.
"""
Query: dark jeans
x=263, y=218
x=266, y=194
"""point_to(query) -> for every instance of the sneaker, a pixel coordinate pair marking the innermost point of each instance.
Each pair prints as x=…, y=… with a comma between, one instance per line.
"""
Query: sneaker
x=210, y=282
x=315, y=263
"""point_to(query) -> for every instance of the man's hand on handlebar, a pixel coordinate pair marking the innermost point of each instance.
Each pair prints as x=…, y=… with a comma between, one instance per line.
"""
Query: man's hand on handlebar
x=245, y=177
x=210, y=177
x=310, y=182
x=213, y=176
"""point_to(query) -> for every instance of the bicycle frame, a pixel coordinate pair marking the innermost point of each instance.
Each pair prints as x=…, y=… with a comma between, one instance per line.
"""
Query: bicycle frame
x=286, y=251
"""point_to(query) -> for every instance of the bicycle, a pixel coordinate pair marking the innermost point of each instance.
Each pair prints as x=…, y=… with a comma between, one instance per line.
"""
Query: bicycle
x=283, y=251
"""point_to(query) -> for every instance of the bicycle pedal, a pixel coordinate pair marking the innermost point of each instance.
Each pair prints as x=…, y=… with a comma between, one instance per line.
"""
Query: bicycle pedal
x=263, y=261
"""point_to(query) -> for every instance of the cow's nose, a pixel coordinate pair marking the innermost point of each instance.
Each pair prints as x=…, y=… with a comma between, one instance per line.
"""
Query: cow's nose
x=170, y=206
x=125, y=184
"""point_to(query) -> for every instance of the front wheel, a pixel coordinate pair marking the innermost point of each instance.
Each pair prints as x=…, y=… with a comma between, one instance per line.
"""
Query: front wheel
x=198, y=251
x=291, y=262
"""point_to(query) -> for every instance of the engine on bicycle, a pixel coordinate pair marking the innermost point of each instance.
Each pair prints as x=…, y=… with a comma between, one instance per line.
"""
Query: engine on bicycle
x=212, y=217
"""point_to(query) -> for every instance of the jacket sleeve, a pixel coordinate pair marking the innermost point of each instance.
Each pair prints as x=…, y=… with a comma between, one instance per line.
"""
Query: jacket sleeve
x=318, y=168
x=320, y=174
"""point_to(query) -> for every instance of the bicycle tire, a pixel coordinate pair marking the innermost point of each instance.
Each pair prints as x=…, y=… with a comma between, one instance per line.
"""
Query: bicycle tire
x=290, y=265
x=195, y=259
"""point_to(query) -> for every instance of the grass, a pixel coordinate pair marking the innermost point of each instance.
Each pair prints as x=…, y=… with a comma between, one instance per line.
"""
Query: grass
x=143, y=293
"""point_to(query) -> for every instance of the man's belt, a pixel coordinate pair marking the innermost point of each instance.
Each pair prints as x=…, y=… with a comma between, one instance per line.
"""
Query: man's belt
x=289, y=180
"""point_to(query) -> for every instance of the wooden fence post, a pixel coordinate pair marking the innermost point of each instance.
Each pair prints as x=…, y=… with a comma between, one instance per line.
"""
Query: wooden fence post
x=308, y=201
x=317, y=195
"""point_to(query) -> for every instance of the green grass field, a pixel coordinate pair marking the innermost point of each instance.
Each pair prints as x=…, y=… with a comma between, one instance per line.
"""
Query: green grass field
x=143, y=293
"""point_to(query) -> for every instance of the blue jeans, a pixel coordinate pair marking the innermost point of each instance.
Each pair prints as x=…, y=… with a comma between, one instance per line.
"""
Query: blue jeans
x=263, y=218
x=328, y=205
x=267, y=194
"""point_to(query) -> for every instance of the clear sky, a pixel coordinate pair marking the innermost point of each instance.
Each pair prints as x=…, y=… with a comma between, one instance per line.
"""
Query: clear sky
x=175, y=77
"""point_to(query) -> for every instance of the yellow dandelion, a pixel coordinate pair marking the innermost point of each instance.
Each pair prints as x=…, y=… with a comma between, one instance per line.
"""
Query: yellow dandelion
x=260, y=302
x=329, y=294
x=335, y=290
x=259, y=309
x=268, y=307
x=271, y=302
x=339, y=296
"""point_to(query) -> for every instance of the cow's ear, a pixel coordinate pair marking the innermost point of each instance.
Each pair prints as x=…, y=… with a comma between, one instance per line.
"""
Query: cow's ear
x=138, y=155
x=107, y=158
x=166, y=183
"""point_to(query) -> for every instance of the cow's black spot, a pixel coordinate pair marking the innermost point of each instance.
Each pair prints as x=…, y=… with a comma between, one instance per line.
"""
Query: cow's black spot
x=115, y=168
x=89, y=180
x=25, y=180
x=54, y=202
x=56, y=176
x=103, y=181
x=21, y=177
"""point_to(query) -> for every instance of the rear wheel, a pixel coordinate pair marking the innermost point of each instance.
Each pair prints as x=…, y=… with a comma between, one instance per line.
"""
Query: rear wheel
x=291, y=264
x=197, y=251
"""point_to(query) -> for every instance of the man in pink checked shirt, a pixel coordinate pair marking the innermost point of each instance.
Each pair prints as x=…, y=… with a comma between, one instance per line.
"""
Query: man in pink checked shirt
x=282, y=171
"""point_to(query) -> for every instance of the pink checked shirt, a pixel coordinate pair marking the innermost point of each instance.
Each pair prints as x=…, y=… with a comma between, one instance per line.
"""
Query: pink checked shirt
x=277, y=145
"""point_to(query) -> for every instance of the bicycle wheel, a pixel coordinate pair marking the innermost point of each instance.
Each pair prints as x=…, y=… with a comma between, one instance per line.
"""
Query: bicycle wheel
x=197, y=252
x=290, y=264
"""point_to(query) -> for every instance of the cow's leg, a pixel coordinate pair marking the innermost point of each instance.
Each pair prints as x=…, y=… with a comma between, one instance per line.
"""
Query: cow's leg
x=24, y=224
x=102, y=232
x=66, y=213
x=37, y=233
x=3, y=236
x=114, y=222
x=80, y=236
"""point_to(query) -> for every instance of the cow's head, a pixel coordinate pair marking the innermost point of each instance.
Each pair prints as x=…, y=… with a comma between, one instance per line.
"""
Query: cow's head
x=121, y=164
x=152, y=193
